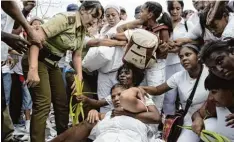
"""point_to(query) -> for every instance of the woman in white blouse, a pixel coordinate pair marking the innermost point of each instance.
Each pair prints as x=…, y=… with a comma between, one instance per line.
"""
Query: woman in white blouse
x=184, y=81
x=107, y=74
x=180, y=29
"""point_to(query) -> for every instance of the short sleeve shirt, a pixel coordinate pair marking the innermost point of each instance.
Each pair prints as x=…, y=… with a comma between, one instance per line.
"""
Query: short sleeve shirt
x=64, y=32
x=185, y=83
x=179, y=31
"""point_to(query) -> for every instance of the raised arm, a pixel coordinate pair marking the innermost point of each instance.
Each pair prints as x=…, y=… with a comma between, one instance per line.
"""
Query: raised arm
x=105, y=42
x=131, y=25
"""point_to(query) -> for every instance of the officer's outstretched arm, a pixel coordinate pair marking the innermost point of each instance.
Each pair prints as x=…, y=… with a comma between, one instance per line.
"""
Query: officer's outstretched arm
x=77, y=62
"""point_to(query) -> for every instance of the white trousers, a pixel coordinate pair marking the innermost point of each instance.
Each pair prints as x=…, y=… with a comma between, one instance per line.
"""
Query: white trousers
x=105, y=83
x=170, y=96
x=155, y=76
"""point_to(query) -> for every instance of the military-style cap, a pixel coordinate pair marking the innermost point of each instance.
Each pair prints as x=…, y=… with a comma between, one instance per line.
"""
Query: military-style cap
x=72, y=7
x=138, y=9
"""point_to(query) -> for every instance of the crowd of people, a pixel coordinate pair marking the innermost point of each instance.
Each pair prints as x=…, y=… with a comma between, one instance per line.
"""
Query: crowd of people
x=41, y=62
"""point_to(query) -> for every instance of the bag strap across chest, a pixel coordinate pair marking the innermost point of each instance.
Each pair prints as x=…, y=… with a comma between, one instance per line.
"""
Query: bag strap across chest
x=190, y=99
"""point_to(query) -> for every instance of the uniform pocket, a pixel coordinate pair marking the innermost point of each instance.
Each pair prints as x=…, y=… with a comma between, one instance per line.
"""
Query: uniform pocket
x=68, y=41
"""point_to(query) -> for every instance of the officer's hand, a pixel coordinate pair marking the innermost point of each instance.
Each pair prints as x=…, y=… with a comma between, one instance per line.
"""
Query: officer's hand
x=32, y=78
x=73, y=87
x=198, y=125
x=17, y=43
x=230, y=120
x=93, y=116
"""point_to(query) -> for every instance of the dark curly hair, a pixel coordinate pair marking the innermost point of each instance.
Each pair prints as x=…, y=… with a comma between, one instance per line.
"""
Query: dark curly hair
x=137, y=74
x=214, y=82
x=156, y=9
x=217, y=45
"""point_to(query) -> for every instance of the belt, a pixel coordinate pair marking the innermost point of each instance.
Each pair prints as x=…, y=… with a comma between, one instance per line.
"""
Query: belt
x=47, y=57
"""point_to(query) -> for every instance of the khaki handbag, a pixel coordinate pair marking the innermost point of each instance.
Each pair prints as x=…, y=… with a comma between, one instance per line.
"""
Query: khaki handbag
x=141, y=49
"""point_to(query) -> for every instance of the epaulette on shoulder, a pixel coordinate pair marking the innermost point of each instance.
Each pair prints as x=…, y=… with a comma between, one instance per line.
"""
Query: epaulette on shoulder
x=71, y=17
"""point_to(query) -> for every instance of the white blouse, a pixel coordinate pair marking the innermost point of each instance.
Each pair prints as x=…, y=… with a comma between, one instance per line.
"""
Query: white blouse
x=208, y=36
x=178, y=32
x=185, y=84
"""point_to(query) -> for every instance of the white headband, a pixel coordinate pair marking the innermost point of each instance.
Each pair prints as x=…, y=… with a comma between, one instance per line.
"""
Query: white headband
x=116, y=7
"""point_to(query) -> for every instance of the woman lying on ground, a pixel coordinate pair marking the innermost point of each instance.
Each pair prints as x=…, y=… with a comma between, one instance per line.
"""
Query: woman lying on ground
x=184, y=81
x=121, y=124
x=128, y=76
x=219, y=106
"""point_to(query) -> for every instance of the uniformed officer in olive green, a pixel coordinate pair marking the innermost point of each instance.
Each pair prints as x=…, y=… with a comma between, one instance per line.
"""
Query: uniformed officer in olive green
x=65, y=31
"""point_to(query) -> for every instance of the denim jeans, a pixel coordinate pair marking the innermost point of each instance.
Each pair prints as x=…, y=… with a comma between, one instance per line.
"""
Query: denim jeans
x=7, y=81
x=27, y=101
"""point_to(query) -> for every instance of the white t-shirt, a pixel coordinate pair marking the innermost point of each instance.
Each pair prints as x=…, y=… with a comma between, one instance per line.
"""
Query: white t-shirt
x=197, y=30
x=222, y=129
x=184, y=83
x=116, y=61
x=229, y=29
x=7, y=24
x=178, y=32
x=18, y=67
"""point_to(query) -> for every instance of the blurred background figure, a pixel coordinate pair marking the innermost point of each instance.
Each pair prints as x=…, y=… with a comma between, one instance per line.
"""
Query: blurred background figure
x=137, y=12
x=101, y=23
x=123, y=13
x=187, y=13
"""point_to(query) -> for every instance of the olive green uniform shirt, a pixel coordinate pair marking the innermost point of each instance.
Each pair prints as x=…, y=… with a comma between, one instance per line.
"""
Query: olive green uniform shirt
x=64, y=32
